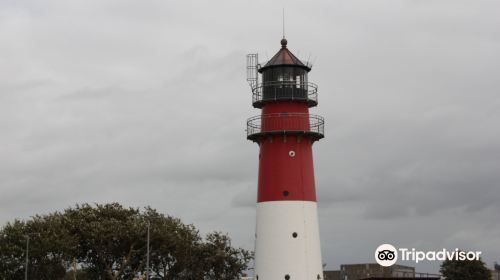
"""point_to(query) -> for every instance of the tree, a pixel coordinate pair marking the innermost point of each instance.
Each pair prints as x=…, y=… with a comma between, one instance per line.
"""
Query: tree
x=222, y=261
x=50, y=248
x=12, y=242
x=110, y=238
x=465, y=270
x=108, y=242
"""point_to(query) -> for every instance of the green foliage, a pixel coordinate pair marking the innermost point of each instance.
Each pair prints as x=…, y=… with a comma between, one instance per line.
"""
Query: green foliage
x=465, y=270
x=50, y=248
x=109, y=242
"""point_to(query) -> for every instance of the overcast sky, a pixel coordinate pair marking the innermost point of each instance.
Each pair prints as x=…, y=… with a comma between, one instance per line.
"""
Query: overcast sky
x=145, y=103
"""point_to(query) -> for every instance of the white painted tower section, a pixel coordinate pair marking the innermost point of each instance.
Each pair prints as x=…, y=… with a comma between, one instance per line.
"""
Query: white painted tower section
x=280, y=252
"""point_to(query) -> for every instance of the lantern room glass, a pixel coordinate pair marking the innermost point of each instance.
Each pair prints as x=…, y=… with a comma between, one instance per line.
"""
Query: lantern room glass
x=284, y=82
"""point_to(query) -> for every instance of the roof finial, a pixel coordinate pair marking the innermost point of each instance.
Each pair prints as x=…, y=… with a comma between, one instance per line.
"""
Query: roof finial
x=283, y=43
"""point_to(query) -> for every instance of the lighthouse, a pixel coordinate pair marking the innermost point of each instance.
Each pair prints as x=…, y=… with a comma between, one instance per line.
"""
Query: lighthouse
x=287, y=243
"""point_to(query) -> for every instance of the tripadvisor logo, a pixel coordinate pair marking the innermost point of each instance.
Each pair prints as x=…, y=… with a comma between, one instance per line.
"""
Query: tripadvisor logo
x=387, y=255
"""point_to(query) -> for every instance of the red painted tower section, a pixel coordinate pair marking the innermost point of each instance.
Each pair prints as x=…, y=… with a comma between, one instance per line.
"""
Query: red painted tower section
x=287, y=235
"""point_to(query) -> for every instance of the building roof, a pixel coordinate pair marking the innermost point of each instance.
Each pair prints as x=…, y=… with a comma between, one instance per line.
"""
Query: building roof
x=401, y=278
x=284, y=57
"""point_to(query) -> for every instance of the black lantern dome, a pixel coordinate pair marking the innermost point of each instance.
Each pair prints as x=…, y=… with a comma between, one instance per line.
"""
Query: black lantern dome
x=284, y=57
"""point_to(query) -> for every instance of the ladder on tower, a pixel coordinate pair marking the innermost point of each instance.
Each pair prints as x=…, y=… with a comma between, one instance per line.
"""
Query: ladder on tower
x=253, y=70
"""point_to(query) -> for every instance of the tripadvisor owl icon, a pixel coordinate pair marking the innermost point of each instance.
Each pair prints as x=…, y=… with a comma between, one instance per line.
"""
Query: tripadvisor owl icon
x=386, y=255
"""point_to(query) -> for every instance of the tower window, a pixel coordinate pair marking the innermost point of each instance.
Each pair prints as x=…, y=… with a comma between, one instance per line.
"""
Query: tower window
x=294, y=235
x=285, y=193
x=287, y=277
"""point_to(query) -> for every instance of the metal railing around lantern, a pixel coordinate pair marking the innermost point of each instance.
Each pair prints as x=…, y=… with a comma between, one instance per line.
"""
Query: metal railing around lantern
x=284, y=90
x=312, y=126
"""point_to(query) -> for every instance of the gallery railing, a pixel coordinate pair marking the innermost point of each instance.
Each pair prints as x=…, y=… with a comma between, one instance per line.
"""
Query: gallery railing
x=284, y=90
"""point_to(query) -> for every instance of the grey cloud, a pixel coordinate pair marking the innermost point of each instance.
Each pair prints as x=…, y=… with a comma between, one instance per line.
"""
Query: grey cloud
x=145, y=103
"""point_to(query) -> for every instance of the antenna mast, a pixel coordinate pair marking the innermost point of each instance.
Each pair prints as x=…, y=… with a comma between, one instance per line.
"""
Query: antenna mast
x=283, y=23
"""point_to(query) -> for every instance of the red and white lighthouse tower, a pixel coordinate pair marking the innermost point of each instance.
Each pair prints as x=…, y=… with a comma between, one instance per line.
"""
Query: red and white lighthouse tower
x=287, y=235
